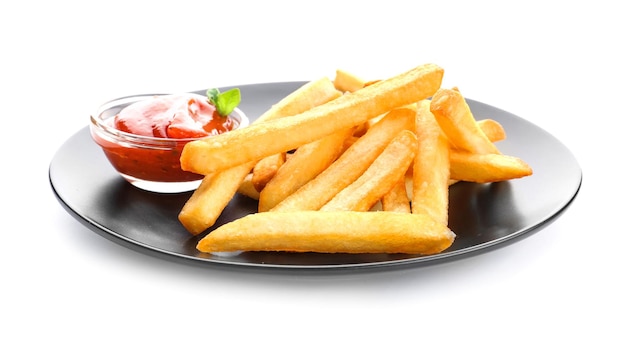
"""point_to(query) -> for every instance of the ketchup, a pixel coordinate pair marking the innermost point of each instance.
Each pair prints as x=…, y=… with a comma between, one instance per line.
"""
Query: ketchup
x=183, y=117
x=173, y=116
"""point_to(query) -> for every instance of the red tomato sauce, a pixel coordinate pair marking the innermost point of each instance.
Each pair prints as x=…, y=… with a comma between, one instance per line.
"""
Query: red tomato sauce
x=173, y=116
x=177, y=117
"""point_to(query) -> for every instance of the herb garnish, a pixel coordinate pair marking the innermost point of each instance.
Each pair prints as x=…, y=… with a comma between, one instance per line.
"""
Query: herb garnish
x=225, y=102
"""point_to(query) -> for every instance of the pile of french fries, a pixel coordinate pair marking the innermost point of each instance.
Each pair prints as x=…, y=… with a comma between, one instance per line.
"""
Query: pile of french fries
x=347, y=166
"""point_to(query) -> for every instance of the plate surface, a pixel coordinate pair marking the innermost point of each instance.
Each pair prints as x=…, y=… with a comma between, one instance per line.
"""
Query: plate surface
x=483, y=216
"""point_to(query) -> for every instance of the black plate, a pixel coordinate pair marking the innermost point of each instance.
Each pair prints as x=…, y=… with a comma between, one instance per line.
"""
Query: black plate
x=483, y=216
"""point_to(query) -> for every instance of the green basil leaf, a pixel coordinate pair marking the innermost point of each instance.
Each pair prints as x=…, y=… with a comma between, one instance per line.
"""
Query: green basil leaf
x=225, y=102
x=213, y=94
x=228, y=101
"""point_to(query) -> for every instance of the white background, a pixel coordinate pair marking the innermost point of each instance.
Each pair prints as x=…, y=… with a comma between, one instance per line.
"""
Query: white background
x=560, y=65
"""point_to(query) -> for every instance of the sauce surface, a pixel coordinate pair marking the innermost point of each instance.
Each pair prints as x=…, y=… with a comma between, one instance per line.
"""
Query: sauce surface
x=173, y=116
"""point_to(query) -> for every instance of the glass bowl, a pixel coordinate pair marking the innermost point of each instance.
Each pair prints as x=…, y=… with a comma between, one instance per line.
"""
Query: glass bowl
x=149, y=163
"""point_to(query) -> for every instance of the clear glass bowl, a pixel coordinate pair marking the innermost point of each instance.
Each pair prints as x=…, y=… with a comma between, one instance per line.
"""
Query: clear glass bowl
x=149, y=163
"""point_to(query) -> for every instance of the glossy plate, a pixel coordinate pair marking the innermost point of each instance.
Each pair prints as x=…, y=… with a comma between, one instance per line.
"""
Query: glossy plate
x=483, y=216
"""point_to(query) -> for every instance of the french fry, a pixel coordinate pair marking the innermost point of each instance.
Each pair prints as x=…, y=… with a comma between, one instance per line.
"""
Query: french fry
x=431, y=167
x=350, y=165
x=386, y=170
x=259, y=140
x=484, y=168
x=247, y=188
x=216, y=190
x=308, y=96
x=397, y=199
x=305, y=164
x=347, y=82
x=265, y=169
x=209, y=200
x=330, y=232
x=458, y=123
x=492, y=129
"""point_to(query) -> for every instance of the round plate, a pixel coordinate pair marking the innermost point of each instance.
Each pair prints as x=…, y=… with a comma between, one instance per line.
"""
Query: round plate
x=483, y=216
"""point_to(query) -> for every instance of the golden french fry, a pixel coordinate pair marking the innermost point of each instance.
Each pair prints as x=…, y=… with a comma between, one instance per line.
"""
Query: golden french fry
x=247, y=188
x=209, y=200
x=484, y=168
x=308, y=96
x=330, y=232
x=494, y=132
x=216, y=190
x=492, y=129
x=347, y=82
x=386, y=170
x=431, y=167
x=305, y=164
x=350, y=165
x=458, y=123
x=265, y=169
x=259, y=140
x=397, y=199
